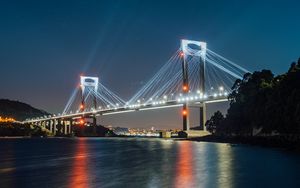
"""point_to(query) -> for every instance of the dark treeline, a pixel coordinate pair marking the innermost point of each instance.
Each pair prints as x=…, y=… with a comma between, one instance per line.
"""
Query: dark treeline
x=262, y=104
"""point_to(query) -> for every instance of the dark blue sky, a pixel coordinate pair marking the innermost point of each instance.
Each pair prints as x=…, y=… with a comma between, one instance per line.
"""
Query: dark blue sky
x=45, y=45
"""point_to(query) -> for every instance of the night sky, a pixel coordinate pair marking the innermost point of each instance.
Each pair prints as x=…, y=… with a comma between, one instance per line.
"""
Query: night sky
x=45, y=45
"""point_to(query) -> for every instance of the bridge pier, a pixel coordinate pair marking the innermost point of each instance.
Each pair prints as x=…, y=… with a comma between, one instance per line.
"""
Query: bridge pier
x=50, y=125
x=185, y=117
x=203, y=116
x=185, y=89
x=70, y=127
x=54, y=127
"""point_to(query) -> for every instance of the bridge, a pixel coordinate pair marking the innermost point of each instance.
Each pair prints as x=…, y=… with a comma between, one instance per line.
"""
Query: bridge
x=193, y=77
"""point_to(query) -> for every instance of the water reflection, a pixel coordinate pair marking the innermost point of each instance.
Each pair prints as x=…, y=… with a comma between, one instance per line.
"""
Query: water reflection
x=184, y=166
x=125, y=162
x=7, y=166
x=79, y=173
x=225, y=165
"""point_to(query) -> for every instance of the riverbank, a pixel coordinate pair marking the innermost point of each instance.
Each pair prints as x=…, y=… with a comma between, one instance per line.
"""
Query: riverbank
x=285, y=142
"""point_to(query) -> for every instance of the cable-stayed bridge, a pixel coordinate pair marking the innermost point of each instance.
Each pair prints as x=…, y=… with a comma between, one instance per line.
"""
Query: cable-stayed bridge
x=192, y=77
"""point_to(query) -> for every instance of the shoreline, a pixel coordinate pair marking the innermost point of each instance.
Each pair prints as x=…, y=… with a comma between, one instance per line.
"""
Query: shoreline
x=279, y=142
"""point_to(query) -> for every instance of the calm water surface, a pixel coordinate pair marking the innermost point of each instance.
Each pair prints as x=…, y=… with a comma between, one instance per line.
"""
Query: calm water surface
x=138, y=162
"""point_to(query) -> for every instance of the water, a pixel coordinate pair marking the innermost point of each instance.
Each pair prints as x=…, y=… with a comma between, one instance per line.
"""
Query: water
x=138, y=162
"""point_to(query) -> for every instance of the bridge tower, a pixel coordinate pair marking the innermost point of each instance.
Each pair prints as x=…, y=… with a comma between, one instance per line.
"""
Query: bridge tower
x=186, y=51
x=86, y=81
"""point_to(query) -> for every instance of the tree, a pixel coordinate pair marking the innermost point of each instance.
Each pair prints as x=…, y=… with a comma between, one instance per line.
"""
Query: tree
x=214, y=122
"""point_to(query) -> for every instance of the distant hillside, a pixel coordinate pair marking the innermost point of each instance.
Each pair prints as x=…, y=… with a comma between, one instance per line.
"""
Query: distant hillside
x=18, y=110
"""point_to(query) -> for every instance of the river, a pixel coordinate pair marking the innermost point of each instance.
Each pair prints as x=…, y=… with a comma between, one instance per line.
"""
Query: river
x=141, y=162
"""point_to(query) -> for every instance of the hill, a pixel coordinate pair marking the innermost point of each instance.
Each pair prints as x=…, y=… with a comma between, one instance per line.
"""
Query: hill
x=18, y=110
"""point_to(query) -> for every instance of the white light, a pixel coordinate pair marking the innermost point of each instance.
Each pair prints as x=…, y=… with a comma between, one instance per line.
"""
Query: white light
x=139, y=101
x=225, y=93
x=165, y=97
x=198, y=91
x=151, y=99
x=215, y=95
x=221, y=88
x=178, y=100
x=204, y=96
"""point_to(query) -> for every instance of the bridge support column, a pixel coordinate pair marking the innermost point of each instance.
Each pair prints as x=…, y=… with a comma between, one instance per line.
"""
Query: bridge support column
x=54, y=127
x=70, y=127
x=202, y=89
x=185, y=88
x=50, y=126
x=64, y=127
x=203, y=116
x=185, y=118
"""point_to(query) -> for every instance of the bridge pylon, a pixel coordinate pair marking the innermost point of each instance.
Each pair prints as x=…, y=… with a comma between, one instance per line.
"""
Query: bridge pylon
x=87, y=81
x=201, y=53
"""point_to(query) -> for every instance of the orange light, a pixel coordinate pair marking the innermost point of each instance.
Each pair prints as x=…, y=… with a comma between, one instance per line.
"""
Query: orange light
x=185, y=88
x=81, y=121
x=181, y=54
x=81, y=106
x=184, y=112
x=7, y=120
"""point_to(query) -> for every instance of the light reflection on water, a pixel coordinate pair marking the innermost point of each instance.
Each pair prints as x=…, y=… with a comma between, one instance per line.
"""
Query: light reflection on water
x=121, y=162
x=79, y=172
x=184, y=166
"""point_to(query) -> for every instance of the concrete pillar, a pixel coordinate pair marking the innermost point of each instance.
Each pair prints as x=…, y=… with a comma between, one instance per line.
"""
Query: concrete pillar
x=54, y=126
x=70, y=127
x=202, y=89
x=203, y=116
x=64, y=125
x=185, y=88
x=50, y=126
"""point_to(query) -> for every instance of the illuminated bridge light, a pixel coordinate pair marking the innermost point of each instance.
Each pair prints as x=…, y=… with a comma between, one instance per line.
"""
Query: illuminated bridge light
x=185, y=88
x=215, y=95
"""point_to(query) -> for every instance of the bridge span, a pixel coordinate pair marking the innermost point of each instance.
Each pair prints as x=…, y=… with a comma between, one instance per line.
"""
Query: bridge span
x=193, y=77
